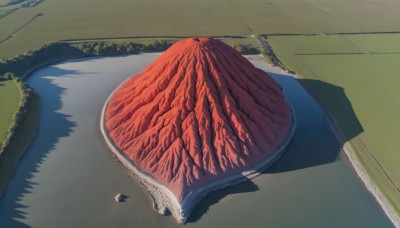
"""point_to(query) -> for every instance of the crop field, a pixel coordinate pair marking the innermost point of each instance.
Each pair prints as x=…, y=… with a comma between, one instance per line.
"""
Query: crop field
x=364, y=68
x=367, y=68
x=249, y=41
x=9, y=100
x=88, y=19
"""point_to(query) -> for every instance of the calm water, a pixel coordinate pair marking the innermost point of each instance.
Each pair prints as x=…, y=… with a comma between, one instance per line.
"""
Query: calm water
x=68, y=178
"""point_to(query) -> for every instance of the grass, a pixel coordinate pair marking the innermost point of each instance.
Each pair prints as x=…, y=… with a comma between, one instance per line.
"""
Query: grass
x=9, y=100
x=245, y=41
x=23, y=136
x=382, y=43
x=370, y=80
x=88, y=19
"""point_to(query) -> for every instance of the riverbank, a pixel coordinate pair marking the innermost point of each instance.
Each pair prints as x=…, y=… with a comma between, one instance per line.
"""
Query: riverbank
x=356, y=164
x=349, y=151
x=164, y=200
x=22, y=138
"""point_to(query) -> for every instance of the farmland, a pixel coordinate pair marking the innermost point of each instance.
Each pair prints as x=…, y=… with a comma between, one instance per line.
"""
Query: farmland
x=9, y=100
x=364, y=66
x=88, y=19
x=367, y=68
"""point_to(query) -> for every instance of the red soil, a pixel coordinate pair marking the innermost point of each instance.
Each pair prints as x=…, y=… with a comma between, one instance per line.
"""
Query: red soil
x=199, y=113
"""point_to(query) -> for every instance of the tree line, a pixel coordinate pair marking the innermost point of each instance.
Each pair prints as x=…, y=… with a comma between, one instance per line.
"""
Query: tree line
x=20, y=114
x=48, y=53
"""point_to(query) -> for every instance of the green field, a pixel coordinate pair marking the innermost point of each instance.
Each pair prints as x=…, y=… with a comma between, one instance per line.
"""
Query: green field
x=23, y=136
x=9, y=101
x=363, y=67
x=87, y=19
x=367, y=68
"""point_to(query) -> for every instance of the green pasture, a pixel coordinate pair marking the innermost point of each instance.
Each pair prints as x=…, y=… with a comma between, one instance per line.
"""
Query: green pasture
x=376, y=43
x=370, y=80
x=88, y=19
x=23, y=136
x=244, y=41
x=9, y=101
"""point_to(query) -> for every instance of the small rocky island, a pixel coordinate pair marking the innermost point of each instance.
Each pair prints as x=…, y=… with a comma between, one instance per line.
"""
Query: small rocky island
x=119, y=198
x=199, y=118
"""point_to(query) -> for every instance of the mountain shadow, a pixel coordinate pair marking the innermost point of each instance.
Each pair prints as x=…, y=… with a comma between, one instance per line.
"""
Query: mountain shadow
x=334, y=99
x=314, y=142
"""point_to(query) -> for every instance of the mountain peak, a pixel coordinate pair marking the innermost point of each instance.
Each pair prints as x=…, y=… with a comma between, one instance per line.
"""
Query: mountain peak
x=199, y=113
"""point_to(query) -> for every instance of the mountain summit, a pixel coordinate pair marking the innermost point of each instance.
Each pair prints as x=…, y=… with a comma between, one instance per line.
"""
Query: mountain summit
x=199, y=114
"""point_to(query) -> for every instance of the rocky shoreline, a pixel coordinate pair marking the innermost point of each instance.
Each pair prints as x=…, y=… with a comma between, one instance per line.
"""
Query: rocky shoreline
x=164, y=200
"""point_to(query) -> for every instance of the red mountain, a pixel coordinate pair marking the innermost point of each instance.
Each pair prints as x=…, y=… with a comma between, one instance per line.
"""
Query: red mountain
x=198, y=114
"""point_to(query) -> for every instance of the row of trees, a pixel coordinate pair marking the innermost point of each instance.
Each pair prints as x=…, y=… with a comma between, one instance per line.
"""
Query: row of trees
x=22, y=63
x=108, y=48
x=26, y=94
x=247, y=49
x=12, y=2
x=48, y=53
x=30, y=3
x=7, y=12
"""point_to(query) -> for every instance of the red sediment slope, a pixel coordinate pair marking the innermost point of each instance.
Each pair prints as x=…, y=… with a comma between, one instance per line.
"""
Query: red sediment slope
x=199, y=113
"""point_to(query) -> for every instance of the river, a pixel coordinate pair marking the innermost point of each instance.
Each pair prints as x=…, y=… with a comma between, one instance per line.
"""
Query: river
x=68, y=177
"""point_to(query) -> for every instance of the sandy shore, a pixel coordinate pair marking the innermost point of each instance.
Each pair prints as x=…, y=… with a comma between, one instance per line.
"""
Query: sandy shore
x=163, y=199
x=348, y=149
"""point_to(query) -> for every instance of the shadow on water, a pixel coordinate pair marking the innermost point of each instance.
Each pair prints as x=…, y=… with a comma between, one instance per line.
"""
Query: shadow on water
x=316, y=152
x=215, y=197
x=313, y=144
x=46, y=139
x=335, y=96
